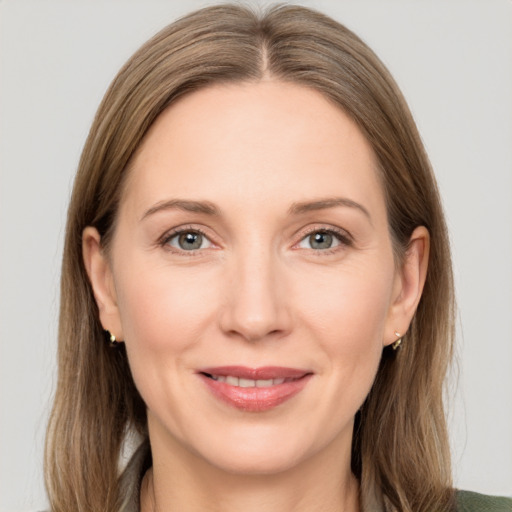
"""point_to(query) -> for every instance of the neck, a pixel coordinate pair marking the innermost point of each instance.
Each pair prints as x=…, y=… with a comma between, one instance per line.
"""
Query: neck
x=323, y=483
x=270, y=494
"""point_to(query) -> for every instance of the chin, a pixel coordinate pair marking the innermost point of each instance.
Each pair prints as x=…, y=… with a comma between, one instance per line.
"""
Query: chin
x=269, y=462
x=260, y=451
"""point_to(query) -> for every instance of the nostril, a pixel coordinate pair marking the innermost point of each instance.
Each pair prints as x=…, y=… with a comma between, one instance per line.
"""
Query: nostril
x=255, y=312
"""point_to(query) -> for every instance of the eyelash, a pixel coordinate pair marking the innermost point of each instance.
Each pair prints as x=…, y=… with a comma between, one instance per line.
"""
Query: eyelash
x=342, y=236
x=167, y=237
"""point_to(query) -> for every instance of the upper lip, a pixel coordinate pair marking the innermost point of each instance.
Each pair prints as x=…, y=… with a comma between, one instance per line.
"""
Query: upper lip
x=262, y=373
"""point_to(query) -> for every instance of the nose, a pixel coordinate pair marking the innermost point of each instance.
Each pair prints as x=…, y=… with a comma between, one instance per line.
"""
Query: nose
x=255, y=305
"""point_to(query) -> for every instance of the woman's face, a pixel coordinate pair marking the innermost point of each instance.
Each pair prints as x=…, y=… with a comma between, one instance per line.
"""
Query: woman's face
x=251, y=276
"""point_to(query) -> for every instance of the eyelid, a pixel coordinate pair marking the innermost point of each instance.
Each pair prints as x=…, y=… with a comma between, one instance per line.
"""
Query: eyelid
x=163, y=241
x=342, y=235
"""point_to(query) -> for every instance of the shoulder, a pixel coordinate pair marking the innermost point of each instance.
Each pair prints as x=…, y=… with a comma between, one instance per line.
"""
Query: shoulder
x=474, y=502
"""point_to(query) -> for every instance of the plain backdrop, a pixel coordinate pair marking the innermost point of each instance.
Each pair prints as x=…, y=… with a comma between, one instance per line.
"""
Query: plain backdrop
x=453, y=60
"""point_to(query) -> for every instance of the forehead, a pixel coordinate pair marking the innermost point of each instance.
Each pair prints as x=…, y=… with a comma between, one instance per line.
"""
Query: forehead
x=268, y=141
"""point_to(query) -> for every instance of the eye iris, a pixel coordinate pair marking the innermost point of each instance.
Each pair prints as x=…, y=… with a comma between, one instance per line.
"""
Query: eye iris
x=320, y=240
x=190, y=241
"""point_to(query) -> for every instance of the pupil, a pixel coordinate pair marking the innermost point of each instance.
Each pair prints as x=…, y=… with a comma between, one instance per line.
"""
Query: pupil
x=320, y=240
x=190, y=241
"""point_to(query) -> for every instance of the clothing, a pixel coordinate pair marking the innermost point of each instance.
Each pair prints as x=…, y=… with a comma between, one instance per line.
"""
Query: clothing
x=141, y=461
x=473, y=502
x=132, y=478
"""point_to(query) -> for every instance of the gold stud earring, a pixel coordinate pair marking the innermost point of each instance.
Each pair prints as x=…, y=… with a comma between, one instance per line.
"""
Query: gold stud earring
x=112, y=338
x=397, y=343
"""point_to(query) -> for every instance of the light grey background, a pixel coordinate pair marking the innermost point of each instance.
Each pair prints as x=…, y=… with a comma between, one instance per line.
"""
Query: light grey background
x=453, y=60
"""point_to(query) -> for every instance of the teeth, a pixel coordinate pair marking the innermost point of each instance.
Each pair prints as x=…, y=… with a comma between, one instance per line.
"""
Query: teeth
x=264, y=383
x=247, y=383
x=232, y=381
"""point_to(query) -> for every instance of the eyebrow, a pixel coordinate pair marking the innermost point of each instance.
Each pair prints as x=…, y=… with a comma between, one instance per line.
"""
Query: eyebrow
x=209, y=208
x=324, y=204
x=180, y=204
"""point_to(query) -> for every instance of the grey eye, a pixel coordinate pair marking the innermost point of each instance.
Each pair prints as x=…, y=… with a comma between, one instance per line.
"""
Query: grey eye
x=189, y=241
x=321, y=240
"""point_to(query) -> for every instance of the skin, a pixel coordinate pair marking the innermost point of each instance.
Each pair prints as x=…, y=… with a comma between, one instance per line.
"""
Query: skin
x=257, y=292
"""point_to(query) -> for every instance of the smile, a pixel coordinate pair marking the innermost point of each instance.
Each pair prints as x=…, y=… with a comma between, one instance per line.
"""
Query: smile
x=248, y=383
x=254, y=389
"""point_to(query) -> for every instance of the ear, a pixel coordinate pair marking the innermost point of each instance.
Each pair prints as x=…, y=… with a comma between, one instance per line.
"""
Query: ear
x=99, y=270
x=408, y=285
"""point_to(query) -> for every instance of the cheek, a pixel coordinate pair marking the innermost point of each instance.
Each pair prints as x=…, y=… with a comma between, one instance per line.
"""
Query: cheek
x=162, y=308
x=164, y=313
x=346, y=314
x=352, y=305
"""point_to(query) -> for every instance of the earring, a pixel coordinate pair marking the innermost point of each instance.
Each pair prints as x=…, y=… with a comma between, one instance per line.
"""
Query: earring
x=112, y=338
x=397, y=343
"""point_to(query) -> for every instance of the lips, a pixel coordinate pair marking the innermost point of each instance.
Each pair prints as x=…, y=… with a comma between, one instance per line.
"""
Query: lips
x=254, y=389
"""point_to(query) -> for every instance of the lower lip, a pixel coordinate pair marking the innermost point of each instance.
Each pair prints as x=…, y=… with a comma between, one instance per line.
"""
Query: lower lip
x=255, y=399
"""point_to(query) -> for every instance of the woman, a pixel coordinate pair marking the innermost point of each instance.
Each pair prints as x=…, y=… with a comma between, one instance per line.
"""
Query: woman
x=255, y=225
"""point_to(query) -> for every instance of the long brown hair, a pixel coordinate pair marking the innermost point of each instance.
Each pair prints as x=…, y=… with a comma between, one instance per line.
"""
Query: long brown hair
x=400, y=449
